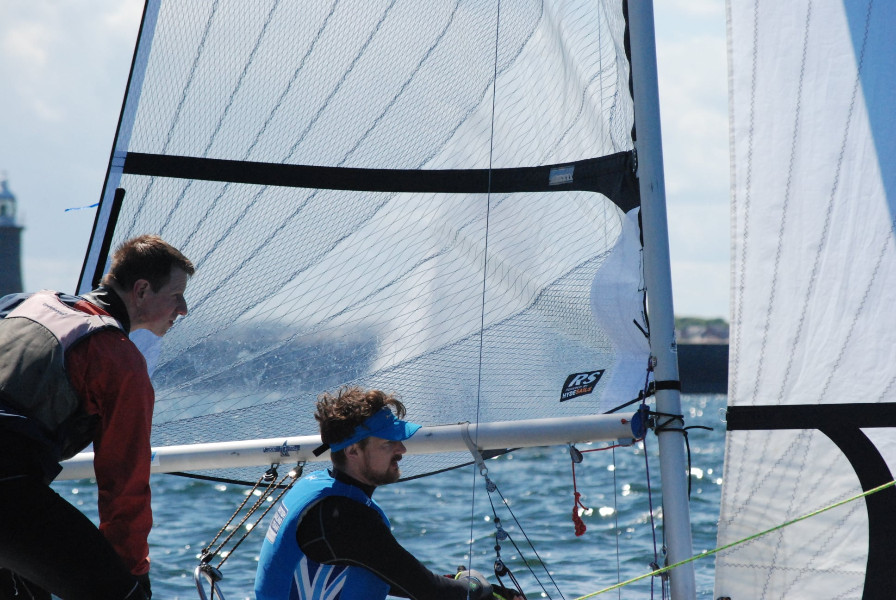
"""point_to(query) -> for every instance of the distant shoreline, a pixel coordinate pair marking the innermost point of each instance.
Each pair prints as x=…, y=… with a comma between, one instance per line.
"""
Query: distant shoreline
x=697, y=330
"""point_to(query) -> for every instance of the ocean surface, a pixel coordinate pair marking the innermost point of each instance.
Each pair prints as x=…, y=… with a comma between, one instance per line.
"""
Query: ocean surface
x=438, y=517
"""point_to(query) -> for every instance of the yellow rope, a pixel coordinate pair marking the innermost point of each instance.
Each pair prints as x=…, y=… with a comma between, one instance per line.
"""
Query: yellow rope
x=747, y=539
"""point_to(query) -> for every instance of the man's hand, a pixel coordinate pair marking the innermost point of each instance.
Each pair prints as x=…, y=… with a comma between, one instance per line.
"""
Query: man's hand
x=503, y=593
x=478, y=583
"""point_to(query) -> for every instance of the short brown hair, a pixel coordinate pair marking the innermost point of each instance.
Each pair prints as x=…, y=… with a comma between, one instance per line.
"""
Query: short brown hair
x=339, y=414
x=146, y=257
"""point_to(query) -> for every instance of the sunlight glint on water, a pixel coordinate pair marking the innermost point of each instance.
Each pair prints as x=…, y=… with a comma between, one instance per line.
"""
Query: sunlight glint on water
x=432, y=516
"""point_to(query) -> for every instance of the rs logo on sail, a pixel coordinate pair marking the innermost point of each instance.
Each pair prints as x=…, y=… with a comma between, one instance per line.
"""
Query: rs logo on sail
x=578, y=384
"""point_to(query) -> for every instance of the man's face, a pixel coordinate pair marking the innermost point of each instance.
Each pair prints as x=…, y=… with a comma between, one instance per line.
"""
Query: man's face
x=157, y=311
x=378, y=463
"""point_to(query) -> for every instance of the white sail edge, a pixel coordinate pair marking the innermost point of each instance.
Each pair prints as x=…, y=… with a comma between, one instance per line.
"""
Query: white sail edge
x=429, y=440
x=119, y=150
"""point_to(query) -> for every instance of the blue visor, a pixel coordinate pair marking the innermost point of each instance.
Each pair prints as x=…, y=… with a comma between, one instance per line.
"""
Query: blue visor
x=382, y=424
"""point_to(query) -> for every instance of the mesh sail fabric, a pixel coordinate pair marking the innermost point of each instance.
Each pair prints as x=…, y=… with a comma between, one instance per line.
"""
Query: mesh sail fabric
x=396, y=303
x=470, y=299
x=387, y=85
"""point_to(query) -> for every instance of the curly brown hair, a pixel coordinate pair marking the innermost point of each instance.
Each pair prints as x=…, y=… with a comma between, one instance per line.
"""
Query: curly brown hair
x=339, y=414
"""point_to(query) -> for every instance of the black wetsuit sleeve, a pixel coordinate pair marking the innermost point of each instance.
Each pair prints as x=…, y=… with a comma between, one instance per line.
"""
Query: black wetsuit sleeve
x=338, y=530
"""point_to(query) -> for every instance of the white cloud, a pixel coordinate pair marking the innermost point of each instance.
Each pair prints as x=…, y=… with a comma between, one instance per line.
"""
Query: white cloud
x=27, y=44
x=120, y=17
x=694, y=105
x=56, y=52
x=64, y=67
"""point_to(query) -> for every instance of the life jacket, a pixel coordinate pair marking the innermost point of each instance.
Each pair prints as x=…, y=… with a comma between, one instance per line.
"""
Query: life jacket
x=36, y=396
x=283, y=567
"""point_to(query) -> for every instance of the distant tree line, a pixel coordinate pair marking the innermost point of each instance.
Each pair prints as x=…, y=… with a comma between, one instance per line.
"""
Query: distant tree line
x=696, y=330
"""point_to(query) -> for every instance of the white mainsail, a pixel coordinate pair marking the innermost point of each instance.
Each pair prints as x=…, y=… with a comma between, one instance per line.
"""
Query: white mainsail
x=437, y=199
x=813, y=86
x=419, y=198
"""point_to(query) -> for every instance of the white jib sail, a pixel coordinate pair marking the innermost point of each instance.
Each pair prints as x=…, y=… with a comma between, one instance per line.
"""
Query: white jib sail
x=813, y=86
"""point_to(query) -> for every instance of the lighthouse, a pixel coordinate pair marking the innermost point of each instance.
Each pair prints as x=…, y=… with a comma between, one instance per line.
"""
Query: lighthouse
x=10, y=242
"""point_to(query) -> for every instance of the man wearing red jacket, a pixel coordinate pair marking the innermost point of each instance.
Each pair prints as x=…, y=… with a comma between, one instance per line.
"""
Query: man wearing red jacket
x=70, y=376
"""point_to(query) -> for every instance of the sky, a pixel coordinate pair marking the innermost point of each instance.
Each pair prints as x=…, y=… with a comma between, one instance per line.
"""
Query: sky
x=63, y=72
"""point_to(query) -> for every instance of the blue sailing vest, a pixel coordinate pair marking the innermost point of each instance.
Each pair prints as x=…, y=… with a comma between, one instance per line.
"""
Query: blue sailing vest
x=283, y=569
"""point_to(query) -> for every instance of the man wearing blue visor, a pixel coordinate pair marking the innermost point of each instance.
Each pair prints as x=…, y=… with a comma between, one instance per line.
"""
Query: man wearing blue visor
x=330, y=540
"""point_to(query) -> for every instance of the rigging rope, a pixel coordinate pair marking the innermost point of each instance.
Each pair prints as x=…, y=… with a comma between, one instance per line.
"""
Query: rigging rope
x=270, y=478
x=708, y=553
x=576, y=456
x=474, y=450
x=648, y=421
x=500, y=533
x=665, y=426
x=655, y=564
x=213, y=574
x=616, y=521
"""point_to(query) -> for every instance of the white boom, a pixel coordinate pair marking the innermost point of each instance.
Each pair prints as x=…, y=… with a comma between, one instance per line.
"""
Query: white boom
x=428, y=440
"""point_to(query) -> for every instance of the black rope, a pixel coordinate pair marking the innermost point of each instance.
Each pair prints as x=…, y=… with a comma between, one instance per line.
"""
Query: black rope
x=213, y=478
x=647, y=391
x=640, y=398
x=270, y=478
x=665, y=426
x=501, y=534
x=652, y=388
x=652, y=520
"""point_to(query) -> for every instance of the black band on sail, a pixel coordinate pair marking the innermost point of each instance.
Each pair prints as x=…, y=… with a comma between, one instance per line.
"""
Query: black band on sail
x=842, y=423
x=811, y=416
x=612, y=176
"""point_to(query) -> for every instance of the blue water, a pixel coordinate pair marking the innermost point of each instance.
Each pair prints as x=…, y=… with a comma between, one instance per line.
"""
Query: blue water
x=435, y=518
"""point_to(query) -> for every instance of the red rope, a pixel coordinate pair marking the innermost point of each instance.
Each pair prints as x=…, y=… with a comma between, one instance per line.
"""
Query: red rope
x=577, y=503
x=576, y=519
